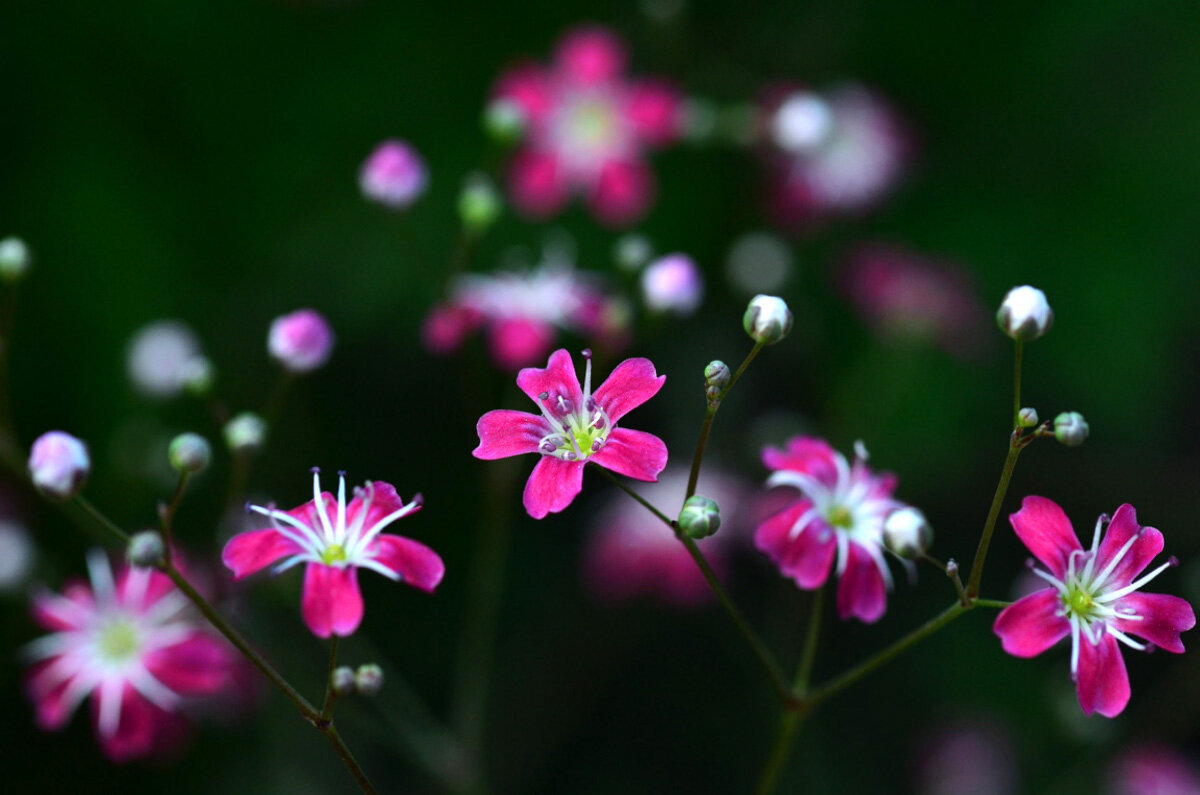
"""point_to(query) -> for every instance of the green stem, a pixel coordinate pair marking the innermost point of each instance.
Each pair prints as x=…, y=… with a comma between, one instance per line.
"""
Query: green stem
x=989, y=527
x=343, y=752
x=997, y=603
x=330, y=695
x=709, y=415
x=101, y=519
x=166, y=514
x=1017, y=386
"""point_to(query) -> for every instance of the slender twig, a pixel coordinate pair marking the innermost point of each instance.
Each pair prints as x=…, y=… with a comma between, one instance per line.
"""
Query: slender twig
x=330, y=694
x=989, y=527
x=101, y=519
x=997, y=603
x=709, y=415
x=1017, y=385
x=166, y=513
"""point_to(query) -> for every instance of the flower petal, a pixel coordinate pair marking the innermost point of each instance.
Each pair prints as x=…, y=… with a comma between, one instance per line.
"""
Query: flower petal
x=143, y=729
x=332, y=603
x=653, y=110
x=1103, y=683
x=254, y=550
x=635, y=454
x=527, y=85
x=558, y=378
x=384, y=502
x=519, y=341
x=623, y=192
x=590, y=55
x=630, y=384
x=199, y=665
x=552, y=485
x=806, y=454
x=861, y=590
x=1031, y=625
x=808, y=557
x=72, y=610
x=1163, y=617
x=417, y=564
x=1046, y=531
x=504, y=433
x=1149, y=544
x=537, y=182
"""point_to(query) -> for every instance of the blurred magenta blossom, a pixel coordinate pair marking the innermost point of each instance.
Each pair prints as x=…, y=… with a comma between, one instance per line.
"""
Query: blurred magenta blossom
x=1152, y=770
x=301, y=340
x=394, y=175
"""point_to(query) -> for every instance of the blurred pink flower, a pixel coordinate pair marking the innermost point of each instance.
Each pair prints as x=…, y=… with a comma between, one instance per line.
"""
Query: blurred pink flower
x=131, y=643
x=967, y=756
x=300, y=341
x=587, y=129
x=334, y=540
x=394, y=175
x=1094, y=598
x=673, y=283
x=575, y=428
x=1152, y=770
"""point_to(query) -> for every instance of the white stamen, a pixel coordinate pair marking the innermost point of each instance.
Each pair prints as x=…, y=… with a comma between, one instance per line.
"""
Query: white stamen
x=340, y=531
x=1128, y=641
x=1128, y=589
x=319, y=499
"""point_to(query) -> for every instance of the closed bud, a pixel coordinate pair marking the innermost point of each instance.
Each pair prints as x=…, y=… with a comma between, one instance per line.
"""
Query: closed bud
x=246, y=433
x=59, y=464
x=479, y=204
x=1070, y=428
x=189, y=452
x=1027, y=418
x=341, y=680
x=632, y=251
x=700, y=517
x=300, y=341
x=368, y=679
x=198, y=376
x=504, y=121
x=767, y=319
x=907, y=533
x=146, y=549
x=15, y=259
x=1025, y=314
x=716, y=374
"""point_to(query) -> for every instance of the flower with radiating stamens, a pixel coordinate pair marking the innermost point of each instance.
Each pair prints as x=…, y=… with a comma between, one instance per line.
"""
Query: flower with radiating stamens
x=840, y=514
x=131, y=642
x=575, y=428
x=1094, y=599
x=334, y=540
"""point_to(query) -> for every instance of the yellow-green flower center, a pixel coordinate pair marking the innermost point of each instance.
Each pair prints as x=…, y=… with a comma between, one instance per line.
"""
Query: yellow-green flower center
x=118, y=641
x=841, y=516
x=1079, y=602
x=334, y=553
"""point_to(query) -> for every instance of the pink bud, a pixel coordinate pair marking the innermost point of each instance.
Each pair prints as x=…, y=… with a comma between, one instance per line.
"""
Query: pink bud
x=300, y=341
x=394, y=175
x=59, y=464
x=672, y=284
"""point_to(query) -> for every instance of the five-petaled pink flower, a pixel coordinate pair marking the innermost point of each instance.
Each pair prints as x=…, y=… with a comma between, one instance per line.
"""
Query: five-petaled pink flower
x=1093, y=598
x=587, y=127
x=576, y=427
x=840, y=513
x=131, y=642
x=334, y=540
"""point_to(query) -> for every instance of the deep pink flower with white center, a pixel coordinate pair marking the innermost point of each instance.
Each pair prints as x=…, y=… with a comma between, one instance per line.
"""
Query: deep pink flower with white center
x=334, y=540
x=587, y=130
x=394, y=175
x=839, y=515
x=132, y=643
x=1094, y=599
x=300, y=341
x=575, y=428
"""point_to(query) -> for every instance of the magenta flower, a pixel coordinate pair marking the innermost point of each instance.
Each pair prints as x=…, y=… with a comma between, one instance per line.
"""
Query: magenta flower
x=131, y=643
x=394, y=175
x=840, y=514
x=301, y=340
x=587, y=130
x=575, y=428
x=1093, y=598
x=334, y=540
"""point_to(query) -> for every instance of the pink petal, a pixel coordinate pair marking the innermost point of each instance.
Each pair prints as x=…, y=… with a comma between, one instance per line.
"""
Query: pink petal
x=446, y=326
x=1163, y=617
x=590, y=55
x=808, y=557
x=806, y=454
x=861, y=590
x=537, y=183
x=529, y=87
x=557, y=379
x=552, y=485
x=54, y=700
x=652, y=108
x=631, y=384
x=154, y=585
x=1148, y=545
x=254, y=550
x=199, y=665
x=635, y=454
x=417, y=564
x=144, y=729
x=73, y=609
x=384, y=502
x=504, y=433
x=1031, y=625
x=1046, y=531
x=308, y=514
x=518, y=342
x=332, y=603
x=1103, y=683
x=623, y=193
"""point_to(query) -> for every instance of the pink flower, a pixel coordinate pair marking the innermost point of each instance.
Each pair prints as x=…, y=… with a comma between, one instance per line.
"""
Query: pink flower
x=587, y=129
x=840, y=514
x=59, y=464
x=673, y=283
x=575, y=428
x=394, y=175
x=300, y=341
x=1153, y=770
x=1093, y=599
x=132, y=644
x=334, y=540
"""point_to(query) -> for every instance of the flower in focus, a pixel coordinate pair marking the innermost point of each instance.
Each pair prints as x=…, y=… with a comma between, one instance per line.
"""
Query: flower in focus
x=575, y=428
x=840, y=514
x=131, y=643
x=588, y=127
x=836, y=152
x=672, y=283
x=394, y=175
x=59, y=464
x=300, y=341
x=1094, y=599
x=334, y=540
x=1152, y=770
x=162, y=357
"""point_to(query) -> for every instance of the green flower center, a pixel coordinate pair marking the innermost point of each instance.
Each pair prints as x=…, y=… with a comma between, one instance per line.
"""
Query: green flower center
x=841, y=516
x=334, y=553
x=592, y=125
x=118, y=641
x=1079, y=602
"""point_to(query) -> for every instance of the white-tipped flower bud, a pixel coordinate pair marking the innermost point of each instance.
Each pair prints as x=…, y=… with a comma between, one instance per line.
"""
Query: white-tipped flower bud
x=767, y=319
x=1027, y=417
x=700, y=517
x=504, y=121
x=632, y=251
x=189, y=452
x=146, y=549
x=1025, y=314
x=479, y=204
x=907, y=533
x=246, y=433
x=15, y=259
x=198, y=376
x=1070, y=428
x=342, y=680
x=368, y=679
x=59, y=464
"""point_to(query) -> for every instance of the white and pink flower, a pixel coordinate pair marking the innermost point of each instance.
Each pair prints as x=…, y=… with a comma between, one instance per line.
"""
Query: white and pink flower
x=334, y=540
x=131, y=642
x=394, y=175
x=839, y=516
x=575, y=428
x=587, y=129
x=1094, y=598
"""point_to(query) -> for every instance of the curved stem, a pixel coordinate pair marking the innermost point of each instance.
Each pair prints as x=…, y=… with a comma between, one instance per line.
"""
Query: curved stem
x=709, y=415
x=166, y=513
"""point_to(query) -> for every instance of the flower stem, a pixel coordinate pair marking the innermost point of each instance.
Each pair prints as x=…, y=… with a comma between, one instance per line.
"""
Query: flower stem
x=101, y=519
x=989, y=527
x=1017, y=385
x=166, y=513
x=709, y=415
x=330, y=696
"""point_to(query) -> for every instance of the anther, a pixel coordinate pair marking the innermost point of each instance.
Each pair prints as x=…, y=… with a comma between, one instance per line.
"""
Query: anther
x=341, y=473
x=587, y=353
x=248, y=506
x=315, y=471
x=418, y=499
x=1173, y=561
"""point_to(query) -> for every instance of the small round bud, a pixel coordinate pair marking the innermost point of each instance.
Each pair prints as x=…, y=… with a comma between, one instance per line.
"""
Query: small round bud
x=342, y=680
x=368, y=679
x=479, y=204
x=394, y=175
x=246, y=433
x=145, y=549
x=716, y=374
x=1025, y=314
x=672, y=284
x=951, y=567
x=907, y=533
x=504, y=121
x=632, y=251
x=802, y=123
x=767, y=319
x=700, y=517
x=1070, y=428
x=198, y=376
x=189, y=452
x=158, y=357
x=300, y=341
x=14, y=259
x=59, y=464
x=1027, y=417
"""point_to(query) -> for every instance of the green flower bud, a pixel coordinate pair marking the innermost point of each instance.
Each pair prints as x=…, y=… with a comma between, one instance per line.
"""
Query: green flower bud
x=145, y=549
x=15, y=259
x=342, y=680
x=479, y=204
x=1027, y=418
x=189, y=452
x=767, y=319
x=504, y=121
x=246, y=433
x=1070, y=428
x=700, y=517
x=368, y=679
